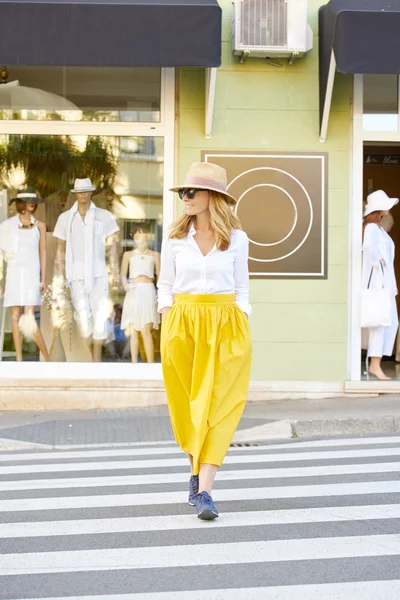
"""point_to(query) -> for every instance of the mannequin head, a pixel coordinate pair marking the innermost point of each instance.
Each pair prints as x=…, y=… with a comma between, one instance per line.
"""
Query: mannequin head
x=140, y=239
x=387, y=221
x=83, y=198
x=25, y=207
x=375, y=217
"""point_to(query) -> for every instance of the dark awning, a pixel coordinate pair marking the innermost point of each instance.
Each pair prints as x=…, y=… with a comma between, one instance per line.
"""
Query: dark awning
x=124, y=33
x=356, y=36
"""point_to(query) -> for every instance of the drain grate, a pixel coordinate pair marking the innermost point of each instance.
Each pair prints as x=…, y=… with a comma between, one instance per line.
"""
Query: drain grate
x=244, y=444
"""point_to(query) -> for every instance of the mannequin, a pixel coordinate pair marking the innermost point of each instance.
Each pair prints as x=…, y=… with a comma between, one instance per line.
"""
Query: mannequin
x=378, y=253
x=139, y=312
x=23, y=245
x=84, y=233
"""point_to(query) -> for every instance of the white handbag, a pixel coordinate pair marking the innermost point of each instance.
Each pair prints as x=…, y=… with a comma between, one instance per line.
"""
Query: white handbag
x=375, y=305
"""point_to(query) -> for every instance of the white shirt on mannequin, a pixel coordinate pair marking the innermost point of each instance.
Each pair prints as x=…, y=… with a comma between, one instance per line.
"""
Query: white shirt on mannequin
x=104, y=226
x=185, y=270
x=378, y=245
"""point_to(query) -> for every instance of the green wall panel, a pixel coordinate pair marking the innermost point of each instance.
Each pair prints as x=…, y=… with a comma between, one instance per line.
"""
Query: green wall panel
x=299, y=326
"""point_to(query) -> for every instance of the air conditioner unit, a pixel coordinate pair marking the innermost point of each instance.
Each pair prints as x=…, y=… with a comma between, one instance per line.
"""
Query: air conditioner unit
x=271, y=28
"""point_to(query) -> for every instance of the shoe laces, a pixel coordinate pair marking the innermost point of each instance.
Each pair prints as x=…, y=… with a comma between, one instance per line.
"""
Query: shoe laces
x=194, y=484
x=204, y=497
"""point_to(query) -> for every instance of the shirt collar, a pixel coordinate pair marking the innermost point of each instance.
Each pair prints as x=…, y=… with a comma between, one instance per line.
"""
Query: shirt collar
x=76, y=206
x=192, y=231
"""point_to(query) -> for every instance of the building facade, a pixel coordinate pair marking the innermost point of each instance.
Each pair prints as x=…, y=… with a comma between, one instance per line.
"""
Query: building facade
x=136, y=129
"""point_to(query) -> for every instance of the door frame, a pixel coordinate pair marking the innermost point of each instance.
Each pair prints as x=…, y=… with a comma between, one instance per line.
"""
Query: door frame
x=359, y=137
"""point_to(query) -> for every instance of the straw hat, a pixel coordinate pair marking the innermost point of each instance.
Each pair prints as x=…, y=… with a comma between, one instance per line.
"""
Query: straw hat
x=83, y=185
x=27, y=195
x=207, y=176
x=379, y=200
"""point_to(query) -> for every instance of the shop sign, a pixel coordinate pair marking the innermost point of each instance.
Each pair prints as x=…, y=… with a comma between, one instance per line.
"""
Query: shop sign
x=282, y=206
x=389, y=160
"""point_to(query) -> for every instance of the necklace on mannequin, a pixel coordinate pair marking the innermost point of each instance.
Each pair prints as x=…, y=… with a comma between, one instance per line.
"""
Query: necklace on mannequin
x=141, y=254
x=24, y=225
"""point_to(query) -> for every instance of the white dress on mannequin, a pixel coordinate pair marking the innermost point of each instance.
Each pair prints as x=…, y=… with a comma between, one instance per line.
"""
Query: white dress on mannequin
x=378, y=245
x=23, y=266
x=140, y=303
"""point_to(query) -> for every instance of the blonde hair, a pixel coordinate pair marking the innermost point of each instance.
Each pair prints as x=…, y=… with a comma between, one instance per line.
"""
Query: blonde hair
x=222, y=218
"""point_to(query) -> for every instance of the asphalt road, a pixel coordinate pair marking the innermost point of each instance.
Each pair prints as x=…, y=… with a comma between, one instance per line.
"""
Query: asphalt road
x=310, y=520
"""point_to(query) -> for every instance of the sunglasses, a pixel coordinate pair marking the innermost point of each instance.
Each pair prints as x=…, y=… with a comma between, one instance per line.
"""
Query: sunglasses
x=188, y=192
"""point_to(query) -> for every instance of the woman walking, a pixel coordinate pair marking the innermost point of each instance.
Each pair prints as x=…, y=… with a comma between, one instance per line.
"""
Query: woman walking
x=378, y=272
x=205, y=339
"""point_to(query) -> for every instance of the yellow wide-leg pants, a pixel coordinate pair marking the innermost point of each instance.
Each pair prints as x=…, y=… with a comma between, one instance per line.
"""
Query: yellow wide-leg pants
x=206, y=357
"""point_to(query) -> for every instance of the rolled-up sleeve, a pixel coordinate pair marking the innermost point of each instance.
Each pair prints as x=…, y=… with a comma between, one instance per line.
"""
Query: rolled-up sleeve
x=60, y=230
x=167, y=275
x=241, y=275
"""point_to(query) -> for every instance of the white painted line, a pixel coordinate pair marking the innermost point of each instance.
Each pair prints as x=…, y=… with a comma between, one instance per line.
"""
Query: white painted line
x=107, y=453
x=110, y=453
x=184, y=522
x=177, y=462
x=300, y=491
x=223, y=475
x=160, y=449
x=334, y=442
x=205, y=554
x=365, y=590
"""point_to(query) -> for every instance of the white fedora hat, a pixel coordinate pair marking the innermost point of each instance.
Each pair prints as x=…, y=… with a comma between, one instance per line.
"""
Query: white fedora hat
x=83, y=185
x=207, y=176
x=379, y=200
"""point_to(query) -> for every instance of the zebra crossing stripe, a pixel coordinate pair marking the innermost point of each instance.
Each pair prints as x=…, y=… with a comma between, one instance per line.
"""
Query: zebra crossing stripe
x=366, y=590
x=205, y=554
x=184, y=522
x=161, y=449
x=162, y=478
x=305, y=491
x=178, y=462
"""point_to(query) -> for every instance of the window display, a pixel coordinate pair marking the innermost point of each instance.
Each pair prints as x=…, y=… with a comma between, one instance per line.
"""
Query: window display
x=102, y=209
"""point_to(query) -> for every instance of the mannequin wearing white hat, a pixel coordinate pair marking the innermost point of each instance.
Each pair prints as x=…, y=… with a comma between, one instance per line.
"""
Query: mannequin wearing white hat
x=82, y=234
x=23, y=244
x=378, y=270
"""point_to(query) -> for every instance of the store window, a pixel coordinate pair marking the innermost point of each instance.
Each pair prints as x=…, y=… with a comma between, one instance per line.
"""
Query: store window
x=112, y=320
x=81, y=94
x=381, y=103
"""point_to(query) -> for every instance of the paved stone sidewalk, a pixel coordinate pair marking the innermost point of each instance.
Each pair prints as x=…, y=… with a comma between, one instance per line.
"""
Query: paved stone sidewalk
x=261, y=421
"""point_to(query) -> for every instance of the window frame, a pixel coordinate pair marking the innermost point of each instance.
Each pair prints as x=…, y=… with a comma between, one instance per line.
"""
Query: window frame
x=165, y=128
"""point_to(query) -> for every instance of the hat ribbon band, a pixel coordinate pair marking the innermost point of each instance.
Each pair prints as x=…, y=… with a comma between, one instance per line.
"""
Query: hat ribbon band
x=208, y=183
x=26, y=195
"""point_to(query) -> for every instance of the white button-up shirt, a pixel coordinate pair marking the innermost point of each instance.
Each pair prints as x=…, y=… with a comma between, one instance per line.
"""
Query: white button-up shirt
x=378, y=245
x=71, y=227
x=185, y=270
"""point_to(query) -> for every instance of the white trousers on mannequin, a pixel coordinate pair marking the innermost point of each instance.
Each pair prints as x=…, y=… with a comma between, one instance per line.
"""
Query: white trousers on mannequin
x=381, y=339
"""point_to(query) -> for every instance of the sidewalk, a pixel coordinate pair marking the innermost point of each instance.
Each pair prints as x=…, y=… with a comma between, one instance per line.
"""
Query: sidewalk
x=262, y=421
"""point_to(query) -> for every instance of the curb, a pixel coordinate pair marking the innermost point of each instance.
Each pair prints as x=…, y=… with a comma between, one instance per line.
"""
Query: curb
x=277, y=430
x=333, y=427
x=309, y=428
x=8, y=444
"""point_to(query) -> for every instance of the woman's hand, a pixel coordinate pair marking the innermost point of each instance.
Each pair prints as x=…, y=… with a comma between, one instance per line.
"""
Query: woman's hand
x=42, y=286
x=165, y=311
